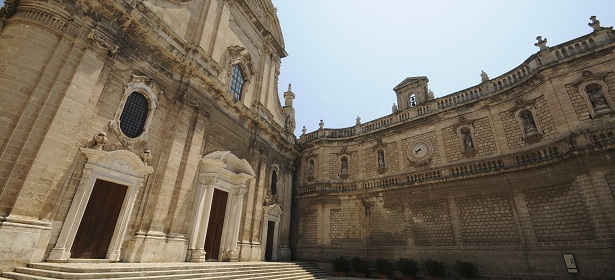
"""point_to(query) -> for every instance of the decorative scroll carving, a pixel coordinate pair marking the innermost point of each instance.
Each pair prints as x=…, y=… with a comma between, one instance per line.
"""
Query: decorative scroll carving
x=103, y=42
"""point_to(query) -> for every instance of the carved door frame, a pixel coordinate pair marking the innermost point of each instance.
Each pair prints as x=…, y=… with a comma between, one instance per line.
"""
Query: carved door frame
x=271, y=213
x=120, y=167
x=220, y=170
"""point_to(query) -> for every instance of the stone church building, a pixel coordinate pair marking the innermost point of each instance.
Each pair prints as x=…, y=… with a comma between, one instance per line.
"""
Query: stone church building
x=515, y=174
x=143, y=131
x=153, y=132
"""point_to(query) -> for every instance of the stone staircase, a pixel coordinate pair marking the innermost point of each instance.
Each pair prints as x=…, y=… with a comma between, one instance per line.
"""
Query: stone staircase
x=138, y=271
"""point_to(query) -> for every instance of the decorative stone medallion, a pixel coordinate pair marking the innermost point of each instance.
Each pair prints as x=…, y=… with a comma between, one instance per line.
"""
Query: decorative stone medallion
x=420, y=151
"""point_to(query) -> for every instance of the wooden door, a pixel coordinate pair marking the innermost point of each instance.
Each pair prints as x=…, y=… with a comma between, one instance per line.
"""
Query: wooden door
x=98, y=222
x=269, y=244
x=216, y=224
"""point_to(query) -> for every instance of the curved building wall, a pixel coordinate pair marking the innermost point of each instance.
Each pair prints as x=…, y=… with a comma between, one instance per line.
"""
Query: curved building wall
x=510, y=174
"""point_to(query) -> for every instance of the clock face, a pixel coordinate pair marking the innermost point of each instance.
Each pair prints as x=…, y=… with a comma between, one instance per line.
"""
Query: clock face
x=419, y=151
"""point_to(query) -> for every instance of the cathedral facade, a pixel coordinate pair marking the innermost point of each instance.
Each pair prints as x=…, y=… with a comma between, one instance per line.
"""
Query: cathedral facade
x=515, y=174
x=143, y=131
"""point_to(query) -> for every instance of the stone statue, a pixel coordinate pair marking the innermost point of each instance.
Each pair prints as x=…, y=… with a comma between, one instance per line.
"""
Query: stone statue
x=321, y=124
x=529, y=125
x=597, y=99
x=542, y=43
x=303, y=130
x=358, y=120
x=344, y=166
x=595, y=24
x=146, y=155
x=484, y=77
x=100, y=139
x=380, y=159
x=467, y=141
x=311, y=168
x=394, y=108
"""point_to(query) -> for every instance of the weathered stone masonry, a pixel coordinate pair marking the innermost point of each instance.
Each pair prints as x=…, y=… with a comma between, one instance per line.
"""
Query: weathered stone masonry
x=509, y=174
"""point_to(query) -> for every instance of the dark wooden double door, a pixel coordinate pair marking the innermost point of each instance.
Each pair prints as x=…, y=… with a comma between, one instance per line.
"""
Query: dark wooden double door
x=215, y=225
x=99, y=220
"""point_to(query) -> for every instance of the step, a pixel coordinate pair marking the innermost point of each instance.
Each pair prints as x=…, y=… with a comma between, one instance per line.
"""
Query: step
x=160, y=274
x=143, y=271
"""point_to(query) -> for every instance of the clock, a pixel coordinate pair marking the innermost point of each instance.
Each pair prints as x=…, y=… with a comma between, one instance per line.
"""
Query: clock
x=419, y=151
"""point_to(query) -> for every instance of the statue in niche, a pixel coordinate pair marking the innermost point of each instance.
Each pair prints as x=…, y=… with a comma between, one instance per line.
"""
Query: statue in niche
x=529, y=125
x=344, y=166
x=380, y=159
x=594, y=92
x=311, y=168
x=467, y=141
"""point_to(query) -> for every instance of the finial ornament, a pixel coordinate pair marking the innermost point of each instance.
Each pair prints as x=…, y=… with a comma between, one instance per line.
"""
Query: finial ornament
x=595, y=24
x=289, y=87
x=542, y=43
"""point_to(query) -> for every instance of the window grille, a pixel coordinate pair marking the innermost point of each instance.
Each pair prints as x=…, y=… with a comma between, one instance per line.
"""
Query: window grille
x=134, y=115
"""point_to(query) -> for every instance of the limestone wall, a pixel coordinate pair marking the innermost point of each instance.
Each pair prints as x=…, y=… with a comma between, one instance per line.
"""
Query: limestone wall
x=66, y=74
x=510, y=174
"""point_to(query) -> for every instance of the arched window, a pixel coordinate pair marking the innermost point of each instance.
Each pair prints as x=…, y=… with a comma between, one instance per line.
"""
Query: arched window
x=412, y=100
x=237, y=81
x=274, y=183
x=134, y=115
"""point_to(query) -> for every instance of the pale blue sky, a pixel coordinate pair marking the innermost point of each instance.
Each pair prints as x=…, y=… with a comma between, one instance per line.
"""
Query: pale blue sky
x=346, y=56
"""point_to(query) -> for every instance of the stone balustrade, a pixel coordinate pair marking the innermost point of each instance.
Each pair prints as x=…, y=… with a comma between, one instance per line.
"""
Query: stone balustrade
x=493, y=86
